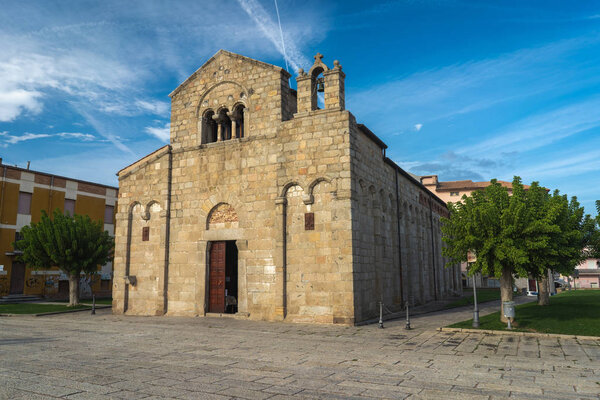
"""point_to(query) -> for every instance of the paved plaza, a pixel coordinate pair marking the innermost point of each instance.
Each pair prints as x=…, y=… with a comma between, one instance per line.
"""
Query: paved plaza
x=80, y=356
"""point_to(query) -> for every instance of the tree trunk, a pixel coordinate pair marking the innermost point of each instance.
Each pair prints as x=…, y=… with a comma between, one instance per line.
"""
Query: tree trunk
x=73, y=290
x=543, y=290
x=506, y=290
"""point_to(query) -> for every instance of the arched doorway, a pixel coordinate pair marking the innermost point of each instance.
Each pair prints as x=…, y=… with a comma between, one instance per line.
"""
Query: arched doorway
x=223, y=275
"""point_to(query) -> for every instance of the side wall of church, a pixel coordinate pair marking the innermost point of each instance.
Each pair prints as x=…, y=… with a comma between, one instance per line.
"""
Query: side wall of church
x=391, y=268
x=141, y=205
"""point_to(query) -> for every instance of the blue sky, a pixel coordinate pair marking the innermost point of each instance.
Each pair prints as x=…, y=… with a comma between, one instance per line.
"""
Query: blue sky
x=463, y=89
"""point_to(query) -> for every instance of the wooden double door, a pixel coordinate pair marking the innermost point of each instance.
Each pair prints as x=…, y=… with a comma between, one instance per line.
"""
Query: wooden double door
x=223, y=277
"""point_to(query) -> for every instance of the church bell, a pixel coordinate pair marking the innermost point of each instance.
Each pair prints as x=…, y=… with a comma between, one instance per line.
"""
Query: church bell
x=321, y=85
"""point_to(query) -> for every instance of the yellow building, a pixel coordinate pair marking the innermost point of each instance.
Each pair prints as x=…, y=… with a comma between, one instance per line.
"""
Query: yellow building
x=23, y=195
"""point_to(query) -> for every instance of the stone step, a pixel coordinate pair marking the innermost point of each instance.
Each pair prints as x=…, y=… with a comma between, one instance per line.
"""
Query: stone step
x=18, y=298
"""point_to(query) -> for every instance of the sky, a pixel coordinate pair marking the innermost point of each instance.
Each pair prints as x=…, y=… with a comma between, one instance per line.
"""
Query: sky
x=462, y=89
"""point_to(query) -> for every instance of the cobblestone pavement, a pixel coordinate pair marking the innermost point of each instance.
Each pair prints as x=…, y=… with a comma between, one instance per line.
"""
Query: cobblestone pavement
x=80, y=356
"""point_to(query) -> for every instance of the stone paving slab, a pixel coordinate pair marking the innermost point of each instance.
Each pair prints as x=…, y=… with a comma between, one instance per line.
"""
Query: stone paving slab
x=79, y=356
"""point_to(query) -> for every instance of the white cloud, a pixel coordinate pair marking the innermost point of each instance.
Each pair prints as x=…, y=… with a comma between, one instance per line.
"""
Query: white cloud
x=567, y=166
x=126, y=107
x=31, y=72
x=162, y=134
x=15, y=101
x=98, y=165
x=106, y=65
x=271, y=30
x=85, y=137
x=459, y=89
x=101, y=128
x=153, y=106
x=10, y=139
x=6, y=139
x=541, y=130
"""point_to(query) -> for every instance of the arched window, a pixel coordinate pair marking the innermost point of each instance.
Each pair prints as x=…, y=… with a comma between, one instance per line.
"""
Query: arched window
x=317, y=88
x=209, y=127
x=238, y=117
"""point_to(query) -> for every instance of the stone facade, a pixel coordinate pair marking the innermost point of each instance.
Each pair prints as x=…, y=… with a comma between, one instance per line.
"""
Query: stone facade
x=321, y=225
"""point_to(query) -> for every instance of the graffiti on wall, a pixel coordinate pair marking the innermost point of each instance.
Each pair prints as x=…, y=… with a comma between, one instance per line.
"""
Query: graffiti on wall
x=52, y=281
x=86, y=283
x=32, y=282
x=4, y=285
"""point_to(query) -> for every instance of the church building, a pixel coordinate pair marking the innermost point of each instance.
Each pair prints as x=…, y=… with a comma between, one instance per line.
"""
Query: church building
x=268, y=205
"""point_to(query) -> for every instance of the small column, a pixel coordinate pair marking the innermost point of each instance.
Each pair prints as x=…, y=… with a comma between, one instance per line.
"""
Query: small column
x=217, y=119
x=279, y=259
x=233, y=117
x=245, y=123
x=233, y=128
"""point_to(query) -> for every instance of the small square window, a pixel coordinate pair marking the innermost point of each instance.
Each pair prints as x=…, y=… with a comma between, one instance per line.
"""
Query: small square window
x=109, y=214
x=69, y=207
x=145, y=234
x=309, y=221
x=24, y=203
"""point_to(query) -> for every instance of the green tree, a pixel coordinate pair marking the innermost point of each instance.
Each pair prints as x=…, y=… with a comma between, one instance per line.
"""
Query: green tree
x=594, y=235
x=490, y=223
x=558, y=234
x=74, y=244
x=525, y=234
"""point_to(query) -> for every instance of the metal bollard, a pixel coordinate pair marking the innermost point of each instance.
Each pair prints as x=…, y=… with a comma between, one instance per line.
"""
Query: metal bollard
x=509, y=311
x=407, y=327
x=380, y=315
x=475, y=306
x=93, y=304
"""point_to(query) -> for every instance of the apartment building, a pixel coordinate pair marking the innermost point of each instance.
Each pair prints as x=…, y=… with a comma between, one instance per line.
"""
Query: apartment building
x=23, y=195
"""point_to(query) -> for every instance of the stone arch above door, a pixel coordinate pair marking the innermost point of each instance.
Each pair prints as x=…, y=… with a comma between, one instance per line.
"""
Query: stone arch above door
x=218, y=202
x=223, y=215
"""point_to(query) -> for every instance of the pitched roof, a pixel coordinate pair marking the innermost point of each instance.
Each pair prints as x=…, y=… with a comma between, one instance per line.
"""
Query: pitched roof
x=470, y=185
x=230, y=54
x=157, y=153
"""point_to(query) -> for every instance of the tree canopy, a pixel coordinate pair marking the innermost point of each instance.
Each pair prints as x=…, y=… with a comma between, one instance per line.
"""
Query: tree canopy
x=74, y=244
x=490, y=223
x=522, y=234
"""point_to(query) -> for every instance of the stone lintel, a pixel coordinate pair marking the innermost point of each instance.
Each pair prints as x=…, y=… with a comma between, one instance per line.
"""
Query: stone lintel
x=308, y=199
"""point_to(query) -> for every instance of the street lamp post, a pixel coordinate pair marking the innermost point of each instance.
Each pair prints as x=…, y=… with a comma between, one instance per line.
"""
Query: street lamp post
x=475, y=308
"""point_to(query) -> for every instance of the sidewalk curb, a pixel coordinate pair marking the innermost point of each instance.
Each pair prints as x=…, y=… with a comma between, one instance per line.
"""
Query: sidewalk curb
x=56, y=312
x=532, y=334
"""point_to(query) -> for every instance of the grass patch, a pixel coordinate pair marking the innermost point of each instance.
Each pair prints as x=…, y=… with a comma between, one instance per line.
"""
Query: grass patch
x=102, y=301
x=36, y=308
x=483, y=295
x=575, y=312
